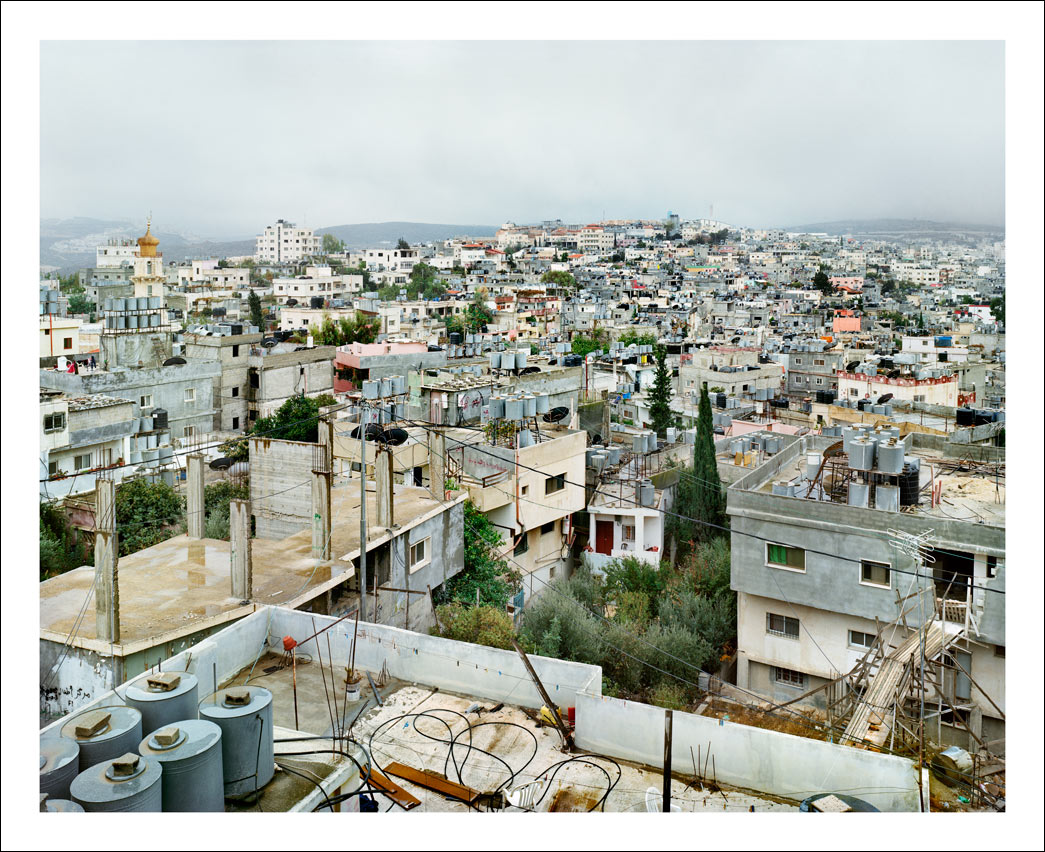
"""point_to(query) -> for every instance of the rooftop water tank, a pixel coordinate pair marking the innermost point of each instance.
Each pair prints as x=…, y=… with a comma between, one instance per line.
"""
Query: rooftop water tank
x=543, y=403
x=244, y=714
x=890, y=456
x=646, y=493
x=59, y=765
x=127, y=782
x=513, y=408
x=190, y=753
x=164, y=697
x=159, y=418
x=61, y=806
x=104, y=733
x=858, y=493
x=638, y=444
x=887, y=498
x=529, y=406
x=861, y=454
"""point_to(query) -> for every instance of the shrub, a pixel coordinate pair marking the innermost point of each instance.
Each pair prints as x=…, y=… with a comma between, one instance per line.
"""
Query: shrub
x=480, y=625
x=668, y=694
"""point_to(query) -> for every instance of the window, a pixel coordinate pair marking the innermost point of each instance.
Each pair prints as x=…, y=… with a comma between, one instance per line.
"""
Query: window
x=859, y=639
x=419, y=554
x=789, y=677
x=235, y=391
x=235, y=423
x=874, y=573
x=782, y=556
x=999, y=650
x=627, y=532
x=548, y=528
x=67, y=343
x=992, y=566
x=189, y=432
x=235, y=350
x=145, y=401
x=190, y=394
x=554, y=483
x=82, y=462
x=523, y=545
x=781, y=625
x=54, y=422
x=52, y=468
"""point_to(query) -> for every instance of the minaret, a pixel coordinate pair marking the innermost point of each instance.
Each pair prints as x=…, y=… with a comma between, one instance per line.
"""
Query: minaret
x=148, y=266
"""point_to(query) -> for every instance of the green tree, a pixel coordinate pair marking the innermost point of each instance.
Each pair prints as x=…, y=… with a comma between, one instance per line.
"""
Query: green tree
x=998, y=309
x=332, y=245
x=700, y=499
x=560, y=278
x=486, y=578
x=402, y=245
x=146, y=514
x=424, y=282
x=822, y=282
x=297, y=419
x=61, y=549
x=660, y=394
x=254, y=305
x=480, y=625
x=216, y=499
x=582, y=344
x=645, y=338
x=80, y=304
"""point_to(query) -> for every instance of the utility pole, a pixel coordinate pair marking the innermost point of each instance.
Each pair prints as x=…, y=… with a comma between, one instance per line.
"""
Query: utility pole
x=667, y=761
x=362, y=510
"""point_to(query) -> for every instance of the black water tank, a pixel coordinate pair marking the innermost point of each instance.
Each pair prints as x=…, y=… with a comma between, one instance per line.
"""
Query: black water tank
x=909, y=486
x=316, y=302
x=159, y=418
x=964, y=417
x=455, y=337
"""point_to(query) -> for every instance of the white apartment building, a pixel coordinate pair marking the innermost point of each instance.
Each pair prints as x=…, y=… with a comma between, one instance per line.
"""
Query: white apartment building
x=115, y=253
x=318, y=281
x=285, y=242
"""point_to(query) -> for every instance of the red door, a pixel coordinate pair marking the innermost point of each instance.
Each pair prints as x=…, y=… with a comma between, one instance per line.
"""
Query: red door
x=604, y=537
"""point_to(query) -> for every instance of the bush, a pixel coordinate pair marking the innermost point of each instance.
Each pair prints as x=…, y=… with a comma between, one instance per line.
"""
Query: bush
x=480, y=625
x=711, y=619
x=216, y=498
x=560, y=627
x=669, y=694
x=632, y=574
x=146, y=514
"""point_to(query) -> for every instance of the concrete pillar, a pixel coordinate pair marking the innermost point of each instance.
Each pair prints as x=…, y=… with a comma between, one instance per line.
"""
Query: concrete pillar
x=239, y=550
x=106, y=560
x=195, y=505
x=437, y=465
x=385, y=491
x=321, y=512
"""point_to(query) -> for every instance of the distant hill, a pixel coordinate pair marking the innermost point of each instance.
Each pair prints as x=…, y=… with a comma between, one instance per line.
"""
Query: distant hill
x=374, y=234
x=69, y=244
x=894, y=227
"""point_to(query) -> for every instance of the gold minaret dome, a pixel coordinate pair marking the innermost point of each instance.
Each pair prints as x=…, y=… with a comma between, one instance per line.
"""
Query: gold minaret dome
x=147, y=244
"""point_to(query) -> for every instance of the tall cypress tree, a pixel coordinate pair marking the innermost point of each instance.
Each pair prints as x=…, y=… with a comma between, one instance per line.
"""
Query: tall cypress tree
x=708, y=497
x=660, y=394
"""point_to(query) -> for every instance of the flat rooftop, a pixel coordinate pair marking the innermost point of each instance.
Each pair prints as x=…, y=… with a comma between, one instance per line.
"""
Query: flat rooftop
x=520, y=750
x=181, y=585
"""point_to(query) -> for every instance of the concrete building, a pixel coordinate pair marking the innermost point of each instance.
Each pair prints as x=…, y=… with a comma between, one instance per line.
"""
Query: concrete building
x=277, y=373
x=285, y=242
x=220, y=344
x=355, y=363
x=317, y=282
x=819, y=583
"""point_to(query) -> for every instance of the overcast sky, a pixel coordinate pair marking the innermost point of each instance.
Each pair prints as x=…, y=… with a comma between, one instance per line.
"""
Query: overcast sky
x=222, y=138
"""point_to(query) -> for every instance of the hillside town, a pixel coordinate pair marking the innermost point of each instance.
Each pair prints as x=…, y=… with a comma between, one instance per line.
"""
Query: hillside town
x=705, y=516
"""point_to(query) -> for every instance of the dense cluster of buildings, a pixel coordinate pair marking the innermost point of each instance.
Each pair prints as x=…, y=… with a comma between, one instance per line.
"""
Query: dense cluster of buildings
x=858, y=395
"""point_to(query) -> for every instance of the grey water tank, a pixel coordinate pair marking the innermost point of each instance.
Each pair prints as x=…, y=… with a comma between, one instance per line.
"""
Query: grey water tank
x=496, y=407
x=103, y=787
x=61, y=806
x=646, y=493
x=813, y=462
x=598, y=461
x=495, y=360
x=166, y=457
x=861, y=454
x=154, y=320
x=59, y=765
x=524, y=438
x=887, y=498
x=121, y=321
x=671, y=434
x=386, y=388
x=858, y=495
x=513, y=409
x=529, y=406
x=543, y=403
x=190, y=753
x=244, y=714
x=164, y=697
x=691, y=436
x=155, y=302
x=783, y=489
x=638, y=444
x=614, y=456
x=104, y=733
x=132, y=321
x=371, y=389
x=890, y=457
x=651, y=442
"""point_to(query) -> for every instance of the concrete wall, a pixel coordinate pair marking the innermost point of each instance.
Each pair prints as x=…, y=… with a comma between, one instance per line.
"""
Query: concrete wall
x=280, y=486
x=746, y=757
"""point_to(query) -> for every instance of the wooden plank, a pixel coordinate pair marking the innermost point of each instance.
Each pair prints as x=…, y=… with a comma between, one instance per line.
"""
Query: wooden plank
x=432, y=781
x=398, y=795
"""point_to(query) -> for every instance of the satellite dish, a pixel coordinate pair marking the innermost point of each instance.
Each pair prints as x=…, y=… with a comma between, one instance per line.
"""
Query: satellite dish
x=171, y=362
x=560, y=412
x=394, y=437
x=223, y=463
x=373, y=432
x=852, y=365
x=884, y=398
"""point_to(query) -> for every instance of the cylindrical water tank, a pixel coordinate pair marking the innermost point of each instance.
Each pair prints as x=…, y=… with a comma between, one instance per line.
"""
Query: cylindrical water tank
x=59, y=765
x=371, y=389
x=104, y=733
x=155, y=302
x=813, y=461
x=164, y=697
x=520, y=358
x=496, y=407
x=651, y=442
x=529, y=406
x=121, y=321
x=119, y=304
x=152, y=441
x=890, y=457
x=154, y=320
x=671, y=433
x=107, y=305
x=638, y=443
x=513, y=408
x=495, y=360
x=525, y=438
x=861, y=454
x=103, y=787
x=190, y=753
x=61, y=806
x=132, y=321
x=386, y=387
x=244, y=714
x=614, y=456
x=646, y=493
x=143, y=303
x=166, y=456
x=599, y=460
x=543, y=403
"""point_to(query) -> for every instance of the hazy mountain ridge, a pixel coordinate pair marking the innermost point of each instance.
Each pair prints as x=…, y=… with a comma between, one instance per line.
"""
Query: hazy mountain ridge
x=893, y=226
x=68, y=244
